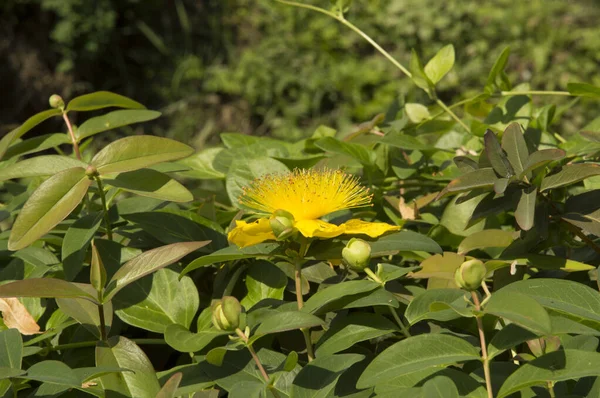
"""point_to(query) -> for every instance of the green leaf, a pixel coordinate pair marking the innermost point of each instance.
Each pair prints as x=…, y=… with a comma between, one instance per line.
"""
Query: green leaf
x=54, y=372
x=404, y=141
x=183, y=340
x=149, y=262
x=102, y=99
x=37, y=144
x=555, y=366
x=508, y=337
x=121, y=352
x=86, y=312
x=583, y=90
x=51, y=203
x=419, y=77
x=496, y=155
x=7, y=373
x=263, y=280
x=440, y=270
x=480, y=178
x=352, y=329
x=335, y=292
x=486, y=238
x=570, y=174
x=525, y=211
x=113, y=120
x=415, y=354
x=519, y=309
x=244, y=170
x=39, y=166
x=170, y=387
x=440, y=386
x=201, y=165
x=318, y=379
x=157, y=301
x=76, y=242
x=356, y=151
x=515, y=146
x=234, y=253
x=30, y=123
x=416, y=112
x=427, y=305
x=540, y=158
x=497, y=77
x=440, y=64
x=572, y=299
x=152, y=184
x=11, y=349
x=43, y=287
x=137, y=152
x=286, y=320
x=170, y=227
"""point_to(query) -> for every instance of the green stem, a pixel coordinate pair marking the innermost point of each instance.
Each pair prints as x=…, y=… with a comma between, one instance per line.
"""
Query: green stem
x=103, y=336
x=109, y=233
x=484, y=355
x=256, y=359
x=84, y=344
x=551, y=389
x=340, y=18
x=299, y=299
x=452, y=114
x=72, y=135
x=401, y=324
x=538, y=92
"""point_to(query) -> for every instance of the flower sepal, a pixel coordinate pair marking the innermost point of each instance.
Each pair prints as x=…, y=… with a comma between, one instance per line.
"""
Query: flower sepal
x=282, y=224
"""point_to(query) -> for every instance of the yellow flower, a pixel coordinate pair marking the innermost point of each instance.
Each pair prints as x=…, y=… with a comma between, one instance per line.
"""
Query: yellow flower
x=307, y=195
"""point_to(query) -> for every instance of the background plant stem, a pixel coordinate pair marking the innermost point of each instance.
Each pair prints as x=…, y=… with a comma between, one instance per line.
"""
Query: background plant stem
x=484, y=355
x=109, y=233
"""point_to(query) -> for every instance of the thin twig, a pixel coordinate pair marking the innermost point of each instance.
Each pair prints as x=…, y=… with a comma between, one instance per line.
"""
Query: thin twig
x=484, y=355
x=72, y=135
x=109, y=233
x=256, y=359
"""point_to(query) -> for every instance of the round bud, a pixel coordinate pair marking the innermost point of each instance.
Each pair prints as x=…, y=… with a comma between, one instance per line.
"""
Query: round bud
x=91, y=172
x=470, y=274
x=357, y=254
x=226, y=313
x=282, y=224
x=56, y=101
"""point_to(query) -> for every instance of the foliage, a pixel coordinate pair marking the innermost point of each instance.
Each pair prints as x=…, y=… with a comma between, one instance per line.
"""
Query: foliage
x=261, y=68
x=490, y=288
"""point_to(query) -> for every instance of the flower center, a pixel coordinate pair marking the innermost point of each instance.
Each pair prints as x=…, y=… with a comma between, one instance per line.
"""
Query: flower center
x=306, y=194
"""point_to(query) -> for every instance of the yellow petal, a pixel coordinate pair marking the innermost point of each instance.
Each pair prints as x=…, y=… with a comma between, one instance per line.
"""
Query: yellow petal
x=372, y=229
x=248, y=234
x=318, y=229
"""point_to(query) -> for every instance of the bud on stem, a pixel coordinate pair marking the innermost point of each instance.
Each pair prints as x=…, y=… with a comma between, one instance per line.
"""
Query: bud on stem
x=227, y=314
x=357, y=254
x=470, y=275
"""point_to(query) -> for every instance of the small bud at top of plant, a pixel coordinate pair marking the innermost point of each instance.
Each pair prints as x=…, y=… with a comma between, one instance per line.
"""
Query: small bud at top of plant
x=56, y=101
x=357, y=254
x=91, y=172
x=226, y=314
x=282, y=224
x=470, y=274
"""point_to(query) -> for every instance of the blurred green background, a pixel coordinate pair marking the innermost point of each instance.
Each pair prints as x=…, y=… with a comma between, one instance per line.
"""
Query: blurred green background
x=262, y=68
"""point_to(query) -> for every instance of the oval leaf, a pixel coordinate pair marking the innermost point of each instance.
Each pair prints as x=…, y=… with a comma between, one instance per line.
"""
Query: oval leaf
x=39, y=166
x=440, y=64
x=414, y=354
x=137, y=152
x=102, y=99
x=148, y=262
x=152, y=184
x=30, y=123
x=113, y=120
x=51, y=203
x=519, y=309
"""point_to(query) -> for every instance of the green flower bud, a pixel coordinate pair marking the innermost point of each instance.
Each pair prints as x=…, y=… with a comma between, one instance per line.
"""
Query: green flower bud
x=282, y=224
x=56, y=101
x=91, y=172
x=470, y=274
x=357, y=254
x=226, y=313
